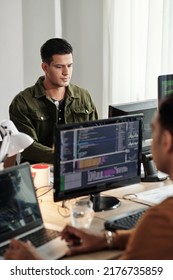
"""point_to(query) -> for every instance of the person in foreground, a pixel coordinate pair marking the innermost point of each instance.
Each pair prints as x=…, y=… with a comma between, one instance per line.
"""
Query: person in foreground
x=52, y=100
x=153, y=235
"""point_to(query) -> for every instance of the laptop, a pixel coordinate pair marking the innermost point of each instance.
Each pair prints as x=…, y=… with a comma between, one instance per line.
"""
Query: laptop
x=20, y=215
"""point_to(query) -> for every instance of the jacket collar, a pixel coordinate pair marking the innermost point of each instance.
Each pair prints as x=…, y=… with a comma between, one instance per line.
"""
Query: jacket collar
x=40, y=90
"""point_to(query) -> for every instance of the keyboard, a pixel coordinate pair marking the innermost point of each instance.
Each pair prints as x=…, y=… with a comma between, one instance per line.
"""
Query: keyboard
x=37, y=238
x=126, y=221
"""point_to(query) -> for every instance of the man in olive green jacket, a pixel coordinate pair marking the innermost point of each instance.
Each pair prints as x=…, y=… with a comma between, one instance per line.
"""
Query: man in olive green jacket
x=52, y=100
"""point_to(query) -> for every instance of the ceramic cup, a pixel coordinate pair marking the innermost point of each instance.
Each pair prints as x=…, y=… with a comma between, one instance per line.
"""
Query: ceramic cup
x=41, y=174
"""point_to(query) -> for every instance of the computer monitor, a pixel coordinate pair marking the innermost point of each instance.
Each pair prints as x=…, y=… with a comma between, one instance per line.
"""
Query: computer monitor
x=96, y=156
x=147, y=108
x=165, y=85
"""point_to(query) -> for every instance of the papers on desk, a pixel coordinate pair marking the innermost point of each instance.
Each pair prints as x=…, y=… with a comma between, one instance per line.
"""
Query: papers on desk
x=157, y=195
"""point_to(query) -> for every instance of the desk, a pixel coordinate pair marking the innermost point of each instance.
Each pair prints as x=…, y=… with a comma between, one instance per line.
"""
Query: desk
x=52, y=212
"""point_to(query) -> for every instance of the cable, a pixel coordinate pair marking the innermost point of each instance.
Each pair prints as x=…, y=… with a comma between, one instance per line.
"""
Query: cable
x=63, y=210
x=127, y=197
x=44, y=192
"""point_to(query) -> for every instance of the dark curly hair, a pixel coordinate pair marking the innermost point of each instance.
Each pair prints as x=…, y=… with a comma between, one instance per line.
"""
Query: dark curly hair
x=54, y=46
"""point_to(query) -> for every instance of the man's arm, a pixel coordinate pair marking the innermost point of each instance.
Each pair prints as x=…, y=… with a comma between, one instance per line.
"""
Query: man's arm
x=39, y=153
x=152, y=238
x=36, y=152
x=94, y=114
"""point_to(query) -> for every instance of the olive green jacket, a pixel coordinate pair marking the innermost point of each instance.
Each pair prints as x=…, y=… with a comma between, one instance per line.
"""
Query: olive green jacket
x=35, y=114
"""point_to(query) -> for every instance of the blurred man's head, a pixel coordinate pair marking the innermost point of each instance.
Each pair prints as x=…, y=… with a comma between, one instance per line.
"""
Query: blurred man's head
x=162, y=132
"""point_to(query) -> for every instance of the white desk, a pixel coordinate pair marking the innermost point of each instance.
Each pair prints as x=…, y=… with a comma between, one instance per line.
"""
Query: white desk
x=52, y=212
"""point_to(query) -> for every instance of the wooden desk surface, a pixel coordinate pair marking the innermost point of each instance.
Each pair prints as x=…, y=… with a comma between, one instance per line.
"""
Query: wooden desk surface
x=54, y=213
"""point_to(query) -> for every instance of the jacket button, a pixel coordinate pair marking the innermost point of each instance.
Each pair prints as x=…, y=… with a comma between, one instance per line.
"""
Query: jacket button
x=42, y=118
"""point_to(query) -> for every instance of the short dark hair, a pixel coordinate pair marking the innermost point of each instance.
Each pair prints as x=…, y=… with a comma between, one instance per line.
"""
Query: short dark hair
x=165, y=113
x=54, y=46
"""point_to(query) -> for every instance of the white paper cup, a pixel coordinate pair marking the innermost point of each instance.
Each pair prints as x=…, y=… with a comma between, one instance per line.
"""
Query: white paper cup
x=41, y=174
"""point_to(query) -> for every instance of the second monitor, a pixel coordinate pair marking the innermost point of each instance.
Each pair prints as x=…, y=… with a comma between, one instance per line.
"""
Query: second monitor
x=147, y=108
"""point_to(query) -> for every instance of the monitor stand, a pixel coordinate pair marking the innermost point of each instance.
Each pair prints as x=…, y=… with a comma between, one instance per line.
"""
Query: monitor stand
x=150, y=172
x=102, y=203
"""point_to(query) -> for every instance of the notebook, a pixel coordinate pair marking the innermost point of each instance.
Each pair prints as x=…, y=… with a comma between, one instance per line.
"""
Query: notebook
x=20, y=215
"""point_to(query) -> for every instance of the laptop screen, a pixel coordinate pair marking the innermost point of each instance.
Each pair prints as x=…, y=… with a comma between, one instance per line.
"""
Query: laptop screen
x=19, y=209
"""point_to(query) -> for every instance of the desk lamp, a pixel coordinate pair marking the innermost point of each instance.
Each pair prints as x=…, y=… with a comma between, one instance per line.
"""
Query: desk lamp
x=12, y=141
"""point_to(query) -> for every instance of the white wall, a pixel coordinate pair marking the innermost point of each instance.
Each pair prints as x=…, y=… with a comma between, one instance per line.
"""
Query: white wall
x=11, y=53
x=26, y=25
x=82, y=25
x=38, y=26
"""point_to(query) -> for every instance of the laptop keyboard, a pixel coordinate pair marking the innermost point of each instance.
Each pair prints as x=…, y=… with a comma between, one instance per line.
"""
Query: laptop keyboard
x=127, y=222
x=37, y=238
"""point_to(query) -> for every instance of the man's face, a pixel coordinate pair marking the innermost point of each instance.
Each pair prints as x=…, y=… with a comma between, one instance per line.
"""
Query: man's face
x=59, y=72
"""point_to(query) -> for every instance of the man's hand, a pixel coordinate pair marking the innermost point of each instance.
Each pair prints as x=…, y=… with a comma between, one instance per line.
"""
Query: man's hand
x=82, y=241
x=19, y=250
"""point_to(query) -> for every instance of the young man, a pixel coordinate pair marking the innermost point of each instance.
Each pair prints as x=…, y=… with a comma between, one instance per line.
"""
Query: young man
x=37, y=109
x=152, y=238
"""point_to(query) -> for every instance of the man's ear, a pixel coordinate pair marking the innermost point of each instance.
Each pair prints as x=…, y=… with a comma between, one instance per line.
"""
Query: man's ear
x=44, y=66
x=167, y=141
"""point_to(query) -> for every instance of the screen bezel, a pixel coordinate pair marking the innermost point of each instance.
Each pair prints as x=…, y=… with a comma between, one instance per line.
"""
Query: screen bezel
x=74, y=193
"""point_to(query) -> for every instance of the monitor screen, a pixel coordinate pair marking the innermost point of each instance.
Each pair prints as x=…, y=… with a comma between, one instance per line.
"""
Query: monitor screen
x=147, y=108
x=165, y=85
x=96, y=156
